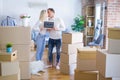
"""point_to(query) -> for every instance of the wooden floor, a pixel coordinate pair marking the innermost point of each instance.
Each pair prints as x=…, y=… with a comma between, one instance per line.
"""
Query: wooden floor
x=51, y=73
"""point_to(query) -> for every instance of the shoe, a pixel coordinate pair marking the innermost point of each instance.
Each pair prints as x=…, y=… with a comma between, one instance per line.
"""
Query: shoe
x=48, y=66
x=38, y=74
x=42, y=71
x=57, y=67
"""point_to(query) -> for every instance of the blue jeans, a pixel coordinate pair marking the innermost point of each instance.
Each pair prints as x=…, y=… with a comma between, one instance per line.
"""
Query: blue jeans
x=51, y=44
x=40, y=42
x=34, y=35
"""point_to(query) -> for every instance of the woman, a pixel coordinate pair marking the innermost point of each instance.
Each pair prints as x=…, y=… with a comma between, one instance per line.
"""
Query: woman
x=40, y=40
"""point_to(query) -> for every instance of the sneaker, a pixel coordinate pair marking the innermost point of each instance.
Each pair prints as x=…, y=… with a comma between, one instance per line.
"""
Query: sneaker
x=48, y=66
x=38, y=74
x=57, y=67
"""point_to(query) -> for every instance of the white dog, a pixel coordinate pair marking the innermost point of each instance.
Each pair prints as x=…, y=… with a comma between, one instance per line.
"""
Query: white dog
x=37, y=66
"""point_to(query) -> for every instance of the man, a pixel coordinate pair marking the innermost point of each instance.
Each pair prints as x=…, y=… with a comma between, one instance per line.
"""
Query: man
x=55, y=36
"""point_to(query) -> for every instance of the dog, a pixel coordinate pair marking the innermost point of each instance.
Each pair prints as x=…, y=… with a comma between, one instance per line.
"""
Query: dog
x=37, y=66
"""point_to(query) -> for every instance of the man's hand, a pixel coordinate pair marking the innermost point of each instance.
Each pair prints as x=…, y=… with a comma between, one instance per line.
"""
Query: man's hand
x=49, y=29
x=55, y=28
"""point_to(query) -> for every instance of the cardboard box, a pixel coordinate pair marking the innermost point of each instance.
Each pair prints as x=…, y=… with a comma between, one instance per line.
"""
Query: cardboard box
x=9, y=68
x=86, y=53
x=10, y=77
x=86, y=65
x=86, y=59
x=108, y=64
x=8, y=56
x=23, y=51
x=25, y=70
x=73, y=37
x=71, y=48
x=113, y=33
x=86, y=75
x=114, y=46
x=101, y=77
x=116, y=78
x=15, y=35
x=67, y=69
x=68, y=59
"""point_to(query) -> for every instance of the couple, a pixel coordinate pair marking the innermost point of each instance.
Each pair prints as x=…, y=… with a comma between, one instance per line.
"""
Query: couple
x=54, y=36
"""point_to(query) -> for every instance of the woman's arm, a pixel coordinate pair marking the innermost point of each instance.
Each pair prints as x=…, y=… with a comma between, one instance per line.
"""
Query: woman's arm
x=36, y=26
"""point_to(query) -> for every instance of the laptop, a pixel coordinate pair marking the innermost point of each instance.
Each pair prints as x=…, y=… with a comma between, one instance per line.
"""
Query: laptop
x=48, y=24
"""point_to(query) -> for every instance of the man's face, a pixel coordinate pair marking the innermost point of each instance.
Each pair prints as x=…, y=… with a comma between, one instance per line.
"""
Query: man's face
x=50, y=14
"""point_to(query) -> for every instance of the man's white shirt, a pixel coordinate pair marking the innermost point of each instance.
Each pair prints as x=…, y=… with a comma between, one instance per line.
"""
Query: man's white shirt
x=59, y=24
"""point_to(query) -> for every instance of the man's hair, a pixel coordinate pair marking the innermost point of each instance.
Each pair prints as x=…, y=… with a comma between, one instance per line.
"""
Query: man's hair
x=51, y=9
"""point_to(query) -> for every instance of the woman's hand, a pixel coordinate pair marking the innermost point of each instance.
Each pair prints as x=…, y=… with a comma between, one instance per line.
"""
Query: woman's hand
x=42, y=28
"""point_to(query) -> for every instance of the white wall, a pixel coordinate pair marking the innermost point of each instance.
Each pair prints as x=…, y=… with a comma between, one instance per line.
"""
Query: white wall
x=15, y=8
x=66, y=9
x=1, y=9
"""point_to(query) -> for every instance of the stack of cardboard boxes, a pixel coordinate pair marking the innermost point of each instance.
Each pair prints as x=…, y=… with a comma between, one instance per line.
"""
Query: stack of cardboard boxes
x=20, y=37
x=86, y=64
x=113, y=40
x=108, y=60
x=9, y=66
x=69, y=51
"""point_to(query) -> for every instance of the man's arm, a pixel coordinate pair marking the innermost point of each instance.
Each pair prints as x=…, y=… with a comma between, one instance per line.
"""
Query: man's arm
x=61, y=26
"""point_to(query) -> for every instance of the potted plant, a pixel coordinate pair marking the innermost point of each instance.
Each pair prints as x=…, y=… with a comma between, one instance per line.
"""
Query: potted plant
x=79, y=23
x=9, y=47
x=25, y=19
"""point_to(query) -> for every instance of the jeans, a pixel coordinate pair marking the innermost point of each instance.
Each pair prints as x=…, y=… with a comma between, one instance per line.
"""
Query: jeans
x=40, y=42
x=51, y=44
x=34, y=35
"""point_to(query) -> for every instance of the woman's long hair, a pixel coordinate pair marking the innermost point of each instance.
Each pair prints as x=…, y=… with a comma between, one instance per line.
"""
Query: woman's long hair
x=43, y=15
